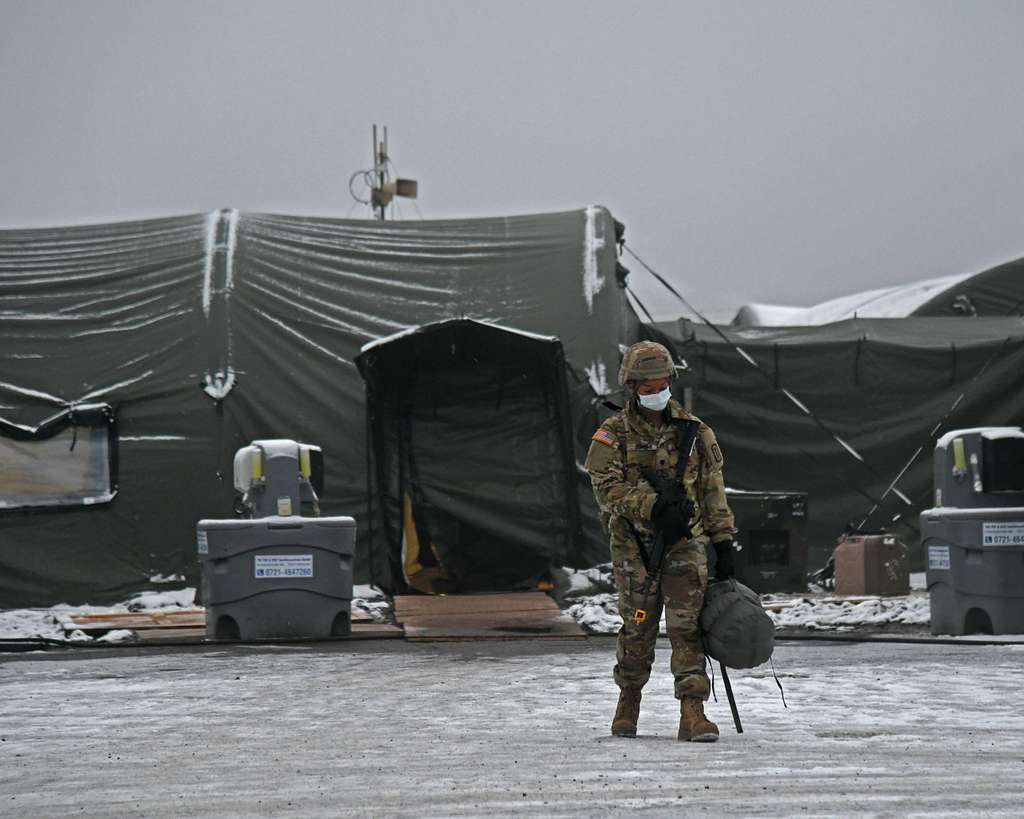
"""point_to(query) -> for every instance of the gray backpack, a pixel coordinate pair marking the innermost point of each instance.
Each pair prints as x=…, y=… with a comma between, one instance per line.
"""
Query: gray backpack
x=737, y=630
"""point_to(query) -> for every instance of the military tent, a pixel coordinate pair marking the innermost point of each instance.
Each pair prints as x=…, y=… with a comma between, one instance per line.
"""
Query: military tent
x=848, y=412
x=136, y=357
x=998, y=291
x=473, y=477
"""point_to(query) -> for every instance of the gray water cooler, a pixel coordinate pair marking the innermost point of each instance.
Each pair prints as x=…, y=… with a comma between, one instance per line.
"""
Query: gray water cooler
x=277, y=574
x=973, y=538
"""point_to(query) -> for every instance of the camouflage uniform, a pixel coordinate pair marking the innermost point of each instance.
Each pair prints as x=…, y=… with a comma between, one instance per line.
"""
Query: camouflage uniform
x=621, y=448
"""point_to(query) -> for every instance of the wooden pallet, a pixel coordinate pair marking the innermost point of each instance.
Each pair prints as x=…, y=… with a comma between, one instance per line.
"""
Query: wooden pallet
x=189, y=625
x=497, y=616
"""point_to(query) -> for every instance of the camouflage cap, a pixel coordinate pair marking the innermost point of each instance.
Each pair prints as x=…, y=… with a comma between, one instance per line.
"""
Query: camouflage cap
x=644, y=361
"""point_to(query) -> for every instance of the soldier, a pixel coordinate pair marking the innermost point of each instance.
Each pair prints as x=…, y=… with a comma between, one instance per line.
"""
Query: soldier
x=631, y=454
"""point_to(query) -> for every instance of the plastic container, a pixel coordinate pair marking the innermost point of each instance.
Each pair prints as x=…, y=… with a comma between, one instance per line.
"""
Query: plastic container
x=277, y=577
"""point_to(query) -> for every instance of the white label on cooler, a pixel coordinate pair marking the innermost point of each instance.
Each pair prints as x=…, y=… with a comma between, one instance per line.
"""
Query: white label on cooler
x=278, y=566
x=1002, y=533
x=938, y=557
x=203, y=544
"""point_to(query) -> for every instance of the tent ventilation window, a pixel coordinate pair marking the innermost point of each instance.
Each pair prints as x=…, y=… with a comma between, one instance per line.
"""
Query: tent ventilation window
x=68, y=460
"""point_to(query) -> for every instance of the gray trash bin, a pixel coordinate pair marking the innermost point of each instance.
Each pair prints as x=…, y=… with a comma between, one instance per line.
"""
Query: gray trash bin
x=277, y=577
x=973, y=539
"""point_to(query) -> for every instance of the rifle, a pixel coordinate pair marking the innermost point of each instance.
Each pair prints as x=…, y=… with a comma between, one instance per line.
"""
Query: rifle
x=671, y=490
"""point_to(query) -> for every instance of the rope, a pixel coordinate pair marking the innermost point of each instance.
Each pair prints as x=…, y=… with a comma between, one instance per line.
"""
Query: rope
x=934, y=431
x=650, y=318
x=768, y=377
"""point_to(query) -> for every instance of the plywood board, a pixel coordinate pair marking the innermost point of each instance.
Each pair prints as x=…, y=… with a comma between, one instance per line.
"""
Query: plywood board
x=426, y=604
x=174, y=618
x=502, y=616
x=168, y=619
x=360, y=631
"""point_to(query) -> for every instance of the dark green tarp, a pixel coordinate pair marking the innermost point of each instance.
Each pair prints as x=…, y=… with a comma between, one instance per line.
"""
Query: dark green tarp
x=471, y=422
x=998, y=291
x=205, y=332
x=881, y=385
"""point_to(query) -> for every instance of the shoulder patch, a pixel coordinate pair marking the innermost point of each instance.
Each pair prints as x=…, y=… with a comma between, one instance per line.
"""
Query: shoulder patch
x=603, y=436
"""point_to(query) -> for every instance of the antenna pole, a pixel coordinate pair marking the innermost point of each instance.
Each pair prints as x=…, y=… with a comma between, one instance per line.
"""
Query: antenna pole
x=380, y=164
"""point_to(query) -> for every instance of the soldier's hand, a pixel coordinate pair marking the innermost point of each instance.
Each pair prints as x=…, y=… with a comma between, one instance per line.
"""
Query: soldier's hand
x=667, y=489
x=724, y=567
x=671, y=519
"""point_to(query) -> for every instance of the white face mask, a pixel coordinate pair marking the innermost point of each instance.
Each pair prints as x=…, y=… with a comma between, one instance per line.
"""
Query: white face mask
x=656, y=402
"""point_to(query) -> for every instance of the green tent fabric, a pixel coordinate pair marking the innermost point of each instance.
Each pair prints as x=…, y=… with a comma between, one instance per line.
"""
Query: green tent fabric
x=204, y=332
x=837, y=410
x=998, y=291
x=471, y=422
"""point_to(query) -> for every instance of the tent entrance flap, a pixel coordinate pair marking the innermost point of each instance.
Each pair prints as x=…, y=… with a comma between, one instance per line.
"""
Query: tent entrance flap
x=472, y=483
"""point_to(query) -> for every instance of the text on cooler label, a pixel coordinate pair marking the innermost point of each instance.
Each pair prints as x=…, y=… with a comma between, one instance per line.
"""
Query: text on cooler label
x=1002, y=533
x=277, y=566
x=938, y=557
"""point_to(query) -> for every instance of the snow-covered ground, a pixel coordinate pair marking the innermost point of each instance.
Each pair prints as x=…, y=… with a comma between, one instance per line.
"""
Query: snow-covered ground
x=21, y=624
x=587, y=596
x=49, y=624
x=393, y=729
x=597, y=611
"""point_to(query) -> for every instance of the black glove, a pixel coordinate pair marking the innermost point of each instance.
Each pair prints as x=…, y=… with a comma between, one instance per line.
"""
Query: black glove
x=724, y=568
x=671, y=519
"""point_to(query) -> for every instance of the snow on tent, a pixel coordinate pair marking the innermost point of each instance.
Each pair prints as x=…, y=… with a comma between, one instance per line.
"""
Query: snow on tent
x=473, y=473
x=839, y=410
x=998, y=291
x=155, y=349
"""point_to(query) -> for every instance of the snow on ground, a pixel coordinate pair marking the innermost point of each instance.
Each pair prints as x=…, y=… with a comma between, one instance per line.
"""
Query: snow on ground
x=599, y=613
x=592, y=602
x=371, y=601
x=24, y=624
x=588, y=597
x=517, y=728
x=838, y=614
x=48, y=624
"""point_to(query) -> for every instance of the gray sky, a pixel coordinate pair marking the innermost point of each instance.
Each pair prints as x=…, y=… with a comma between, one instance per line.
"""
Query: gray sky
x=782, y=152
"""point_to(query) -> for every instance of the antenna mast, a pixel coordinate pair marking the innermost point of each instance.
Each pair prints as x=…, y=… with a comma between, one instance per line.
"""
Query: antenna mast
x=378, y=179
x=380, y=170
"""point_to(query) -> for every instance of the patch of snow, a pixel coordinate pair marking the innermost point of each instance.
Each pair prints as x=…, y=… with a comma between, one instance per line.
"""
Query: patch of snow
x=364, y=591
x=155, y=601
x=212, y=220
x=593, y=243
x=49, y=624
x=593, y=603
x=836, y=613
x=598, y=375
x=219, y=384
x=918, y=581
x=115, y=636
x=131, y=438
x=597, y=614
x=232, y=245
x=167, y=578
x=899, y=301
x=595, y=580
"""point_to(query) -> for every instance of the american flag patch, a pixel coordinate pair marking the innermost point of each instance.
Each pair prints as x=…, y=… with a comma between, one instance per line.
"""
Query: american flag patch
x=603, y=436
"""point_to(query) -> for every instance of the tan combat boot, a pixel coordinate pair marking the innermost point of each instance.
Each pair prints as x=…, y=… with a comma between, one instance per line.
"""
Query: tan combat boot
x=693, y=725
x=627, y=712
